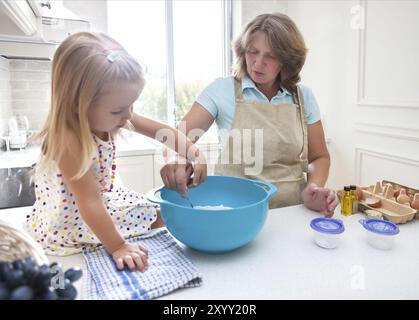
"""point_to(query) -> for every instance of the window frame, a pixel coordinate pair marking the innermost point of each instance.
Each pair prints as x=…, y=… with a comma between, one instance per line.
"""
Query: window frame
x=226, y=20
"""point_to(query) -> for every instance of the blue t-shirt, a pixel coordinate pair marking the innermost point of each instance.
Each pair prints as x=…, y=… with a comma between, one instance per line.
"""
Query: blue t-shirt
x=218, y=99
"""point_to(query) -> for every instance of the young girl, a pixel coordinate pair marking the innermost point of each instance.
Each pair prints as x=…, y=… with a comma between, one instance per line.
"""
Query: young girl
x=94, y=85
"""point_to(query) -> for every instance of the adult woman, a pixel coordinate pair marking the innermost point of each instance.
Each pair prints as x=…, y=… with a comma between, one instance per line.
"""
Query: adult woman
x=263, y=95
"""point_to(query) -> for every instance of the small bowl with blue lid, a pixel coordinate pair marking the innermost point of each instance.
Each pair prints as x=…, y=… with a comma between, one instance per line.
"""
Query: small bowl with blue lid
x=380, y=234
x=327, y=232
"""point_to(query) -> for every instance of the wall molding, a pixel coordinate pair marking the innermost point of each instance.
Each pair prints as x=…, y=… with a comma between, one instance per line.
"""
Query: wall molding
x=362, y=100
x=360, y=152
x=391, y=131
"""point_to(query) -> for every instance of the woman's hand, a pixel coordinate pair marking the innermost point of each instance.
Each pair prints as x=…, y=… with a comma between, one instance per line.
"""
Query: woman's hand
x=132, y=255
x=177, y=174
x=320, y=199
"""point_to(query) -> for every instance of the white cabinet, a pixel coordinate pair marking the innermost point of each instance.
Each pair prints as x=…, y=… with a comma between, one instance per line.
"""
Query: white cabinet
x=158, y=164
x=17, y=18
x=136, y=172
x=33, y=28
x=141, y=172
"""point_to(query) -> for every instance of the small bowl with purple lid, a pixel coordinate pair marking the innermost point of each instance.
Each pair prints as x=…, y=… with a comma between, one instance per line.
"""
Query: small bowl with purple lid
x=327, y=232
x=380, y=234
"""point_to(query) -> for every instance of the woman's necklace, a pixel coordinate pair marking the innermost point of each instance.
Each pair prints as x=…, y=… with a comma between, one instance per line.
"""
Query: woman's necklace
x=102, y=165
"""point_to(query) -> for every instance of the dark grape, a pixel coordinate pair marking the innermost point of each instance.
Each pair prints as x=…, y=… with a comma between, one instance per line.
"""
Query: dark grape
x=30, y=261
x=30, y=273
x=44, y=267
x=19, y=264
x=4, y=270
x=29, y=264
x=49, y=294
x=22, y=279
x=15, y=278
x=73, y=274
x=42, y=279
x=22, y=293
x=68, y=293
x=26, y=265
x=4, y=292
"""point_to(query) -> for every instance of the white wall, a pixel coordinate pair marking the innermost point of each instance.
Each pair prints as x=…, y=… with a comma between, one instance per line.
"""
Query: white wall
x=245, y=10
x=252, y=8
x=331, y=72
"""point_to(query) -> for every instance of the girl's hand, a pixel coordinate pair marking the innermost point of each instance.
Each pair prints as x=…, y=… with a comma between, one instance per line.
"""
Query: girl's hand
x=132, y=255
x=177, y=174
x=320, y=199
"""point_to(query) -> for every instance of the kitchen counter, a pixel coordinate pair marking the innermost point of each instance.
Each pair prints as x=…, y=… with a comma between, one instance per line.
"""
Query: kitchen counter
x=282, y=262
x=131, y=145
x=134, y=144
x=19, y=158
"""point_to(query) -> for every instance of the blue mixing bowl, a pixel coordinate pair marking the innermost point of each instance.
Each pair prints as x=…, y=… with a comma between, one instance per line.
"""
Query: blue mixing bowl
x=216, y=230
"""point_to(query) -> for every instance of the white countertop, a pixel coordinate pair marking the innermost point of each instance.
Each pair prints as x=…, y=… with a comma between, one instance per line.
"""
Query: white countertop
x=282, y=262
x=131, y=144
x=19, y=158
x=134, y=144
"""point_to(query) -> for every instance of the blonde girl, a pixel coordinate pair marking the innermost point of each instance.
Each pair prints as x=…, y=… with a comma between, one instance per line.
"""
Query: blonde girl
x=94, y=85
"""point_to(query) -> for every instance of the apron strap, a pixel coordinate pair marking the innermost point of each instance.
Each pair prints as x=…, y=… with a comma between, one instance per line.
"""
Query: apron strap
x=304, y=151
x=238, y=94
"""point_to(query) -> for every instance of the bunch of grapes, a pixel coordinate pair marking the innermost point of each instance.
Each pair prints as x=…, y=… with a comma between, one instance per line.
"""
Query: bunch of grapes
x=24, y=280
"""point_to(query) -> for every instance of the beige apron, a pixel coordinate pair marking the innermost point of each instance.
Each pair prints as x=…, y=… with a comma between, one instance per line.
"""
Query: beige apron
x=284, y=146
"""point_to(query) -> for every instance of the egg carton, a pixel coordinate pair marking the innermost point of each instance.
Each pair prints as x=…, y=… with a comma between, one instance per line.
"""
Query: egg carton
x=390, y=201
x=410, y=192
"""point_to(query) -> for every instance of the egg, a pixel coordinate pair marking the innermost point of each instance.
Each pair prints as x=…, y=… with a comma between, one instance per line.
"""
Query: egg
x=403, y=198
x=415, y=202
x=359, y=194
x=373, y=202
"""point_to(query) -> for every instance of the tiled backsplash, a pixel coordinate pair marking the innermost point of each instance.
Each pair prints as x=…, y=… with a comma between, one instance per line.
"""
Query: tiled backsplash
x=5, y=95
x=25, y=87
x=30, y=83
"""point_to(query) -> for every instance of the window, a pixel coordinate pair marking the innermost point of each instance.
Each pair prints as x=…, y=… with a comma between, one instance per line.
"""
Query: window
x=140, y=27
x=184, y=45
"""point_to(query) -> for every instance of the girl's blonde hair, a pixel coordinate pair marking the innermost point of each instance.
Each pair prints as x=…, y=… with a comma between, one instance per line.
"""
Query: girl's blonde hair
x=82, y=65
x=286, y=42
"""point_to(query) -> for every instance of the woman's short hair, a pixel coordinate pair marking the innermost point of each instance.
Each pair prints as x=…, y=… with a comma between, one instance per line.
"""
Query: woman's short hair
x=286, y=42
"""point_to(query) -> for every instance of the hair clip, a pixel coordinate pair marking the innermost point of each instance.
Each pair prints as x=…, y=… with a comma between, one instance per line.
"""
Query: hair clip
x=112, y=56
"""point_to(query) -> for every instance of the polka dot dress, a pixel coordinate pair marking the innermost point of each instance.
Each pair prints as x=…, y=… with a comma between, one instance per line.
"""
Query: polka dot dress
x=55, y=220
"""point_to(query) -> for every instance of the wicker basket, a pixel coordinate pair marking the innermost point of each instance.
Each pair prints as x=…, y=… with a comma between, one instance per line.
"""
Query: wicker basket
x=16, y=244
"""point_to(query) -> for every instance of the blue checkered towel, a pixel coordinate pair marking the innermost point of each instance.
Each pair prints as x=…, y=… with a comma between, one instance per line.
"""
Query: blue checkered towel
x=168, y=269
